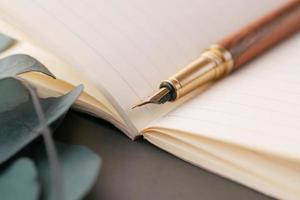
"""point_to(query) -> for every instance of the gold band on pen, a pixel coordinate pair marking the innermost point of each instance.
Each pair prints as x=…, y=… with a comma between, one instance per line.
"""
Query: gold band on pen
x=213, y=64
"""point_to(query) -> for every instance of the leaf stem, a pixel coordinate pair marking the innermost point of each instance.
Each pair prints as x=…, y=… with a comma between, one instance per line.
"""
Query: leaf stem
x=56, y=173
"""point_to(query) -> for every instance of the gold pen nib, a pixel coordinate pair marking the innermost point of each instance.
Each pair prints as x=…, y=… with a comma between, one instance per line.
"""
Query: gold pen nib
x=162, y=96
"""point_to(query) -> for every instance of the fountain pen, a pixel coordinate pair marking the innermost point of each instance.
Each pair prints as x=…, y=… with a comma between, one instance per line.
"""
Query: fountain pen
x=230, y=53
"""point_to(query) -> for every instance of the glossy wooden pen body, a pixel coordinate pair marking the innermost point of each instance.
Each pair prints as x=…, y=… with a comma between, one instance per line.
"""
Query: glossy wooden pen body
x=264, y=33
x=230, y=53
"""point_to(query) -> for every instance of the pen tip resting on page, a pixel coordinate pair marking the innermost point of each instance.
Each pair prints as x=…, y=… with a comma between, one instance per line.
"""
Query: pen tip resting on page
x=160, y=97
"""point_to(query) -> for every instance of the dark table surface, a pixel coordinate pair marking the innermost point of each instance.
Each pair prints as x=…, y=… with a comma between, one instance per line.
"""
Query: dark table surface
x=139, y=170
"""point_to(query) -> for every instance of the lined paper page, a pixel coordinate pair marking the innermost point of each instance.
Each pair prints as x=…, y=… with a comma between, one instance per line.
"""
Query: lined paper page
x=257, y=106
x=130, y=46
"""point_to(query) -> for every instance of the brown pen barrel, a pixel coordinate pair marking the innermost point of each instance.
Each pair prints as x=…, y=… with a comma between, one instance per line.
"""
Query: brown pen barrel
x=262, y=34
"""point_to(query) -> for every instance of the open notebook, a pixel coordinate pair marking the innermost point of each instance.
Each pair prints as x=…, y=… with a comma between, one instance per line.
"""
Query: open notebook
x=246, y=127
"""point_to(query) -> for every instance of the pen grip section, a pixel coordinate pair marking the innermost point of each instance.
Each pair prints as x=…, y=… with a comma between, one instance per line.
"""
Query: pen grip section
x=213, y=64
x=262, y=34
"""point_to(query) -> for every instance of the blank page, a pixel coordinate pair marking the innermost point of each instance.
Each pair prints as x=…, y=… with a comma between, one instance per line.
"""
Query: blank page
x=128, y=47
x=257, y=106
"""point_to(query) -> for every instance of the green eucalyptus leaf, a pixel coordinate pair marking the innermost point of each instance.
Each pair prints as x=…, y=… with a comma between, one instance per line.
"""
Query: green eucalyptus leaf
x=20, y=63
x=19, y=181
x=5, y=42
x=79, y=165
x=18, y=120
